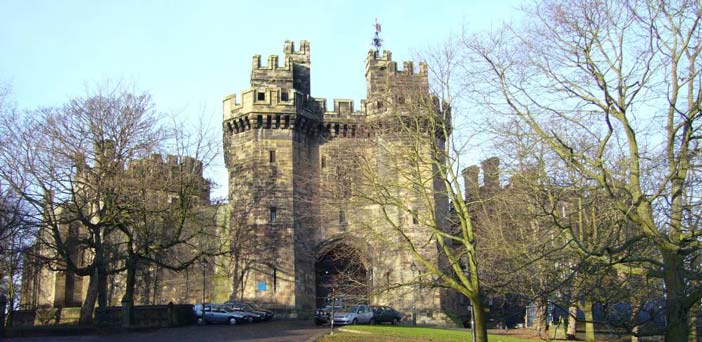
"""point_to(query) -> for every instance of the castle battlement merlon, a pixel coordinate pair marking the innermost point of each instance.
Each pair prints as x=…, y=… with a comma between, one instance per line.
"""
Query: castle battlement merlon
x=385, y=62
x=303, y=53
x=171, y=163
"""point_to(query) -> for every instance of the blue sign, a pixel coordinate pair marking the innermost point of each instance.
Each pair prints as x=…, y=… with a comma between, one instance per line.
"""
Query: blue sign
x=262, y=286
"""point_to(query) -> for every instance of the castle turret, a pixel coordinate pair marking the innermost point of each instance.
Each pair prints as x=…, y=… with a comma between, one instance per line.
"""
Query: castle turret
x=386, y=85
x=292, y=72
x=301, y=65
x=491, y=173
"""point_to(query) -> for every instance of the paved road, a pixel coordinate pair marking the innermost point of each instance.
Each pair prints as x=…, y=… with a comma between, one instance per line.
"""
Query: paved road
x=275, y=331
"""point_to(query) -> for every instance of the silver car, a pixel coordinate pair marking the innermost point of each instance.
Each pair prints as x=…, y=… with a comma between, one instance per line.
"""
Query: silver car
x=216, y=314
x=354, y=315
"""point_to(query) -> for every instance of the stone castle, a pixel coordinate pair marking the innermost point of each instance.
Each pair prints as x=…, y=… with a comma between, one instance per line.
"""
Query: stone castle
x=293, y=231
x=290, y=180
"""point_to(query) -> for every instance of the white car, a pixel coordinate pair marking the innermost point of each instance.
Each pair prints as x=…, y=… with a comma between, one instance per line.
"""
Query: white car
x=354, y=315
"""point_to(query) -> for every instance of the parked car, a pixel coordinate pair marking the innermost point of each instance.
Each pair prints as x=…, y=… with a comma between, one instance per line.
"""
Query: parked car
x=323, y=314
x=354, y=315
x=267, y=314
x=382, y=314
x=249, y=316
x=212, y=313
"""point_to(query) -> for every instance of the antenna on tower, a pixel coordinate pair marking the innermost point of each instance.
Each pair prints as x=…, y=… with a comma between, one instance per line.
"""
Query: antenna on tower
x=377, y=42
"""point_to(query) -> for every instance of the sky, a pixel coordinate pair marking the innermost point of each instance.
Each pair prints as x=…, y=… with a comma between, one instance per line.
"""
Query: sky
x=190, y=54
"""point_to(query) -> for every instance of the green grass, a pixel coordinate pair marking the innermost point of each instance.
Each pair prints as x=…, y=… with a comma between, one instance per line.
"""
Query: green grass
x=413, y=334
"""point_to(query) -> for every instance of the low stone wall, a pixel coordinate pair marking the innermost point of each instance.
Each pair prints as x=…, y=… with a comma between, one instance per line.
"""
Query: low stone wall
x=48, y=316
x=144, y=316
x=163, y=315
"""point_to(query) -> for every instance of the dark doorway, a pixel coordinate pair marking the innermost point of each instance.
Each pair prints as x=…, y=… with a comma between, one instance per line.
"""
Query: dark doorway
x=341, y=268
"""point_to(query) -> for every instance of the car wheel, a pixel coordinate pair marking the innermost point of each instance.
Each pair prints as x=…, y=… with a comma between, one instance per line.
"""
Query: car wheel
x=395, y=321
x=354, y=321
x=201, y=321
x=232, y=321
x=249, y=319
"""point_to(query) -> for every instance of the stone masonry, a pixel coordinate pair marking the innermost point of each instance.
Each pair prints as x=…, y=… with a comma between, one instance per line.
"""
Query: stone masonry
x=285, y=150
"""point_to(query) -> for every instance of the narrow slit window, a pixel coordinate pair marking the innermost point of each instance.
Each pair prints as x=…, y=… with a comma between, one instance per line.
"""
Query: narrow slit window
x=284, y=96
x=342, y=217
x=275, y=279
x=273, y=214
x=271, y=156
x=324, y=161
x=261, y=96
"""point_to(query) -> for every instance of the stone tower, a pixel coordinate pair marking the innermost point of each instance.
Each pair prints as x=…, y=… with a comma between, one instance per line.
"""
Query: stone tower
x=285, y=150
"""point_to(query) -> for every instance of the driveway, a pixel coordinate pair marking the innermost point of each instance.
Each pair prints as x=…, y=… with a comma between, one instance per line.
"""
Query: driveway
x=274, y=331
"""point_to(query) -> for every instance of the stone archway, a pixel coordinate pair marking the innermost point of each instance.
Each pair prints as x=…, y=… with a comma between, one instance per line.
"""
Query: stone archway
x=341, y=267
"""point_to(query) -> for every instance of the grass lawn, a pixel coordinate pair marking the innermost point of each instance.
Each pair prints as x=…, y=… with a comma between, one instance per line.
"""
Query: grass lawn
x=377, y=333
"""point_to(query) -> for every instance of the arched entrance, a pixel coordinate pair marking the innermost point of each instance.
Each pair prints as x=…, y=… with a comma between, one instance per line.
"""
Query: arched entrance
x=342, y=268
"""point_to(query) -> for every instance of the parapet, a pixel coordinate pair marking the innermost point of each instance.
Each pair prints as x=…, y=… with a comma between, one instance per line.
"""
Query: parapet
x=172, y=163
x=386, y=82
x=262, y=99
x=384, y=61
x=272, y=63
x=301, y=55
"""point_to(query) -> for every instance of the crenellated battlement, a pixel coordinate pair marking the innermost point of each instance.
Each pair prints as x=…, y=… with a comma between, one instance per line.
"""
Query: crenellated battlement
x=383, y=61
x=262, y=99
x=171, y=165
x=293, y=73
x=387, y=84
x=272, y=63
x=301, y=55
x=279, y=96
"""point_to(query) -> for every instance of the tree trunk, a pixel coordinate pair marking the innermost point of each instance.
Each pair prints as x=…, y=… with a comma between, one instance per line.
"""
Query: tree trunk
x=572, y=322
x=235, y=280
x=540, y=324
x=693, y=322
x=102, y=287
x=128, y=299
x=677, y=314
x=480, y=320
x=86, y=310
x=635, y=311
x=589, y=319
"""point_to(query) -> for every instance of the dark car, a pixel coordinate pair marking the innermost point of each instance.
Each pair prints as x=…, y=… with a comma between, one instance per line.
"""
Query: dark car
x=323, y=314
x=212, y=313
x=253, y=311
x=383, y=314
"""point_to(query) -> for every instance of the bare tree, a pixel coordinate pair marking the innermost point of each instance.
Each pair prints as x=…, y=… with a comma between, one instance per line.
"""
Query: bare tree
x=67, y=164
x=408, y=173
x=14, y=224
x=613, y=90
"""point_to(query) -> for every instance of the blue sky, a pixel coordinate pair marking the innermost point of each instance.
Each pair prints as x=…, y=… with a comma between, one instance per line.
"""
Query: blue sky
x=189, y=55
